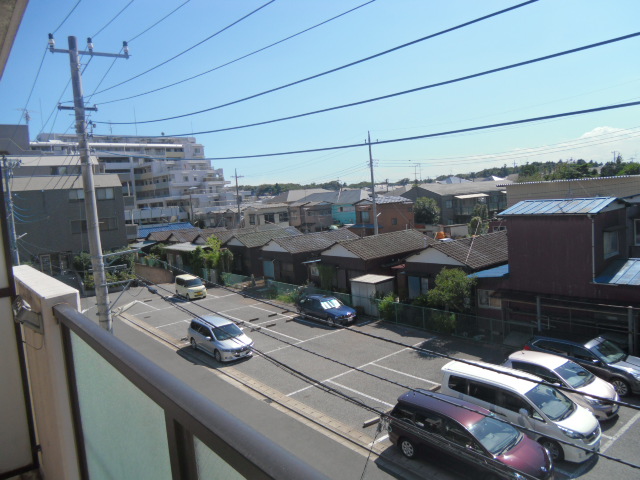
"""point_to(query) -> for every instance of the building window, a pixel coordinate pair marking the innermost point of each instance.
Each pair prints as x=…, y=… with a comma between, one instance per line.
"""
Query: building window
x=252, y=219
x=364, y=216
x=448, y=204
x=394, y=221
x=75, y=195
x=104, y=194
x=283, y=216
x=637, y=231
x=610, y=244
x=270, y=218
x=487, y=300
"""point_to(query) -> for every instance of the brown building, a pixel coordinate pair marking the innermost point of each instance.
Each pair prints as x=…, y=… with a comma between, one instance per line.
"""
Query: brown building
x=393, y=214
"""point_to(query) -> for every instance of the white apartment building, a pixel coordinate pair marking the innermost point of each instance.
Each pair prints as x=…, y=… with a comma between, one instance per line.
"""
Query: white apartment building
x=164, y=179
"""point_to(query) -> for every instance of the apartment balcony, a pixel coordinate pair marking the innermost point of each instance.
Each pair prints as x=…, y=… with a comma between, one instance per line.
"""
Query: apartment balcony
x=100, y=409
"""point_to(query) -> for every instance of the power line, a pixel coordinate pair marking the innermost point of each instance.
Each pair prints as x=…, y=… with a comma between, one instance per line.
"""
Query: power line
x=67, y=17
x=184, y=51
x=333, y=70
x=239, y=58
x=159, y=21
x=417, y=89
x=439, y=134
x=115, y=16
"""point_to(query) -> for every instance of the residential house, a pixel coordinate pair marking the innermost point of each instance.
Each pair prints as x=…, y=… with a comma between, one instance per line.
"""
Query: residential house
x=50, y=218
x=573, y=266
x=470, y=254
x=266, y=214
x=32, y=165
x=458, y=200
x=343, y=210
x=310, y=217
x=286, y=259
x=392, y=214
x=246, y=248
x=375, y=254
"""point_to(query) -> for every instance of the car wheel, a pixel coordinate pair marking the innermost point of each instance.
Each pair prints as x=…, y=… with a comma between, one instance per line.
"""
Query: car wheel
x=217, y=356
x=554, y=449
x=194, y=345
x=331, y=321
x=622, y=387
x=407, y=448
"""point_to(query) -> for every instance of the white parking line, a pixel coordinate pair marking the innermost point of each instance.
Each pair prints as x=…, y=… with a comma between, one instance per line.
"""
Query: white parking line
x=187, y=320
x=620, y=432
x=406, y=374
x=378, y=440
x=362, y=394
x=272, y=331
x=351, y=370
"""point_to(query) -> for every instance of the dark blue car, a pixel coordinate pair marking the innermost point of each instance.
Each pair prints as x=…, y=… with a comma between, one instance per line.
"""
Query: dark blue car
x=324, y=307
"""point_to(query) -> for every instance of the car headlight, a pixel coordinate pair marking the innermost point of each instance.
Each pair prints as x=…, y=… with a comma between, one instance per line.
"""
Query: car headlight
x=572, y=434
x=593, y=401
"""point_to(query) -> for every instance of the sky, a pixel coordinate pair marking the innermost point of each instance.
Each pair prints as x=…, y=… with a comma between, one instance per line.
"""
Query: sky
x=243, y=62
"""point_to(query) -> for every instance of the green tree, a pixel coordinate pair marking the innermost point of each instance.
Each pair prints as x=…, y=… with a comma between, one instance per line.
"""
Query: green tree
x=452, y=290
x=426, y=211
x=477, y=226
x=481, y=210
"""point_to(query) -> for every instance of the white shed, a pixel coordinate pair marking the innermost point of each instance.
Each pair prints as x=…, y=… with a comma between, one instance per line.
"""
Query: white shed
x=367, y=287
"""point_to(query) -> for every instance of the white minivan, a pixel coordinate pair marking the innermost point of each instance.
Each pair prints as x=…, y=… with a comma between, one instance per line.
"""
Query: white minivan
x=190, y=287
x=536, y=407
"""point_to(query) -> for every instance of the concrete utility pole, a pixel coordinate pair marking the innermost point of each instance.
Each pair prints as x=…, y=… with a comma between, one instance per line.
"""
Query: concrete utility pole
x=7, y=172
x=373, y=188
x=235, y=170
x=91, y=206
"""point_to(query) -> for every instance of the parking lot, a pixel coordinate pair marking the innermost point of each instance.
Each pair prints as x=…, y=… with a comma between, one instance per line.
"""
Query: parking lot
x=345, y=375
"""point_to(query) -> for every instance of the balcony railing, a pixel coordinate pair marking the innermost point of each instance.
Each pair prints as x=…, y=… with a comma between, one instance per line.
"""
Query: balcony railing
x=110, y=412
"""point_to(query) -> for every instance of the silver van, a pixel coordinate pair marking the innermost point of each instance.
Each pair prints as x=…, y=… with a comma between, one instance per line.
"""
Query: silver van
x=219, y=337
x=536, y=407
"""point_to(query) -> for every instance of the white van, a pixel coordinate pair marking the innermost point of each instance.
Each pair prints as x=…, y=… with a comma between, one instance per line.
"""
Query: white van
x=190, y=287
x=534, y=406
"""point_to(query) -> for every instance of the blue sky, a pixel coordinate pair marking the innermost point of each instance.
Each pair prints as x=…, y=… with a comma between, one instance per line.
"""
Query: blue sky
x=597, y=77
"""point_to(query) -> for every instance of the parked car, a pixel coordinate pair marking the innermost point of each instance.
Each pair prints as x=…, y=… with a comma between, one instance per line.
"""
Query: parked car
x=545, y=413
x=598, y=355
x=326, y=308
x=219, y=337
x=190, y=287
x=561, y=371
x=467, y=433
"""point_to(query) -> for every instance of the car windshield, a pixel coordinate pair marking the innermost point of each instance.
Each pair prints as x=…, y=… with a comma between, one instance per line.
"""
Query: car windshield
x=227, y=332
x=196, y=282
x=495, y=436
x=574, y=375
x=553, y=404
x=330, y=303
x=608, y=352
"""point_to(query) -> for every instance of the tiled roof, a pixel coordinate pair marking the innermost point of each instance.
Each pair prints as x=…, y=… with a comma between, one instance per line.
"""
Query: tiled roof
x=478, y=252
x=145, y=230
x=258, y=239
x=386, y=244
x=346, y=197
x=388, y=199
x=314, y=241
x=180, y=236
x=224, y=234
x=571, y=206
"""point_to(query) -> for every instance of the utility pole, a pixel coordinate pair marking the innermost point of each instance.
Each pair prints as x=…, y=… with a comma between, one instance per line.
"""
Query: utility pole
x=237, y=193
x=373, y=188
x=91, y=206
x=7, y=172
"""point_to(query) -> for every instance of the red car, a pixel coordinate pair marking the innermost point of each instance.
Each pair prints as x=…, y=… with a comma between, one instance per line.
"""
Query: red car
x=465, y=432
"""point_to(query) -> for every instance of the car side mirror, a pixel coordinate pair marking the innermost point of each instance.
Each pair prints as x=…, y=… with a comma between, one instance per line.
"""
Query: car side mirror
x=208, y=339
x=523, y=412
x=595, y=361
